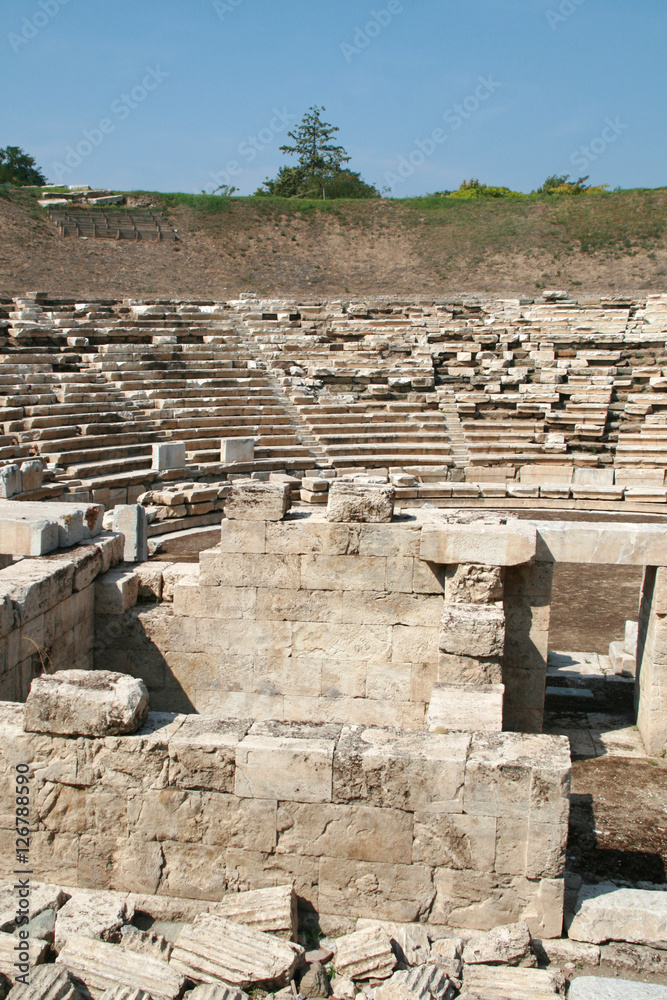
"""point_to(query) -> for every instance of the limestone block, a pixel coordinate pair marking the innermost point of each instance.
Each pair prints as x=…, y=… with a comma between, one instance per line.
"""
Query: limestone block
x=343, y=572
x=168, y=456
x=31, y=953
x=104, y=966
x=472, y=630
x=351, y=502
x=454, y=841
x=314, y=982
x=606, y=544
x=606, y=913
x=202, y=753
x=400, y=893
x=344, y=988
x=273, y=910
x=622, y=663
x=10, y=481
x=446, y=952
x=216, y=992
x=145, y=942
x=47, y=982
x=32, y=476
x=470, y=584
x=630, y=638
x=130, y=521
x=410, y=942
x=91, y=914
x=365, y=954
x=27, y=536
x=341, y=831
x=315, y=485
x=468, y=670
x=149, y=575
x=125, y=993
x=175, y=573
x=116, y=591
x=290, y=762
x=482, y=982
x=593, y=477
x=237, y=449
x=42, y=897
x=258, y=502
x=403, y=770
x=215, y=950
x=601, y=988
x=562, y=951
x=511, y=544
x=466, y=708
x=508, y=945
x=86, y=703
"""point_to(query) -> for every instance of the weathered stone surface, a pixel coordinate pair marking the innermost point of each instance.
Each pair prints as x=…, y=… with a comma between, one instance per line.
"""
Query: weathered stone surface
x=208, y=991
x=168, y=456
x=472, y=630
x=91, y=914
x=258, y=502
x=314, y=982
x=125, y=993
x=424, y=982
x=410, y=942
x=130, y=521
x=86, y=703
x=446, y=953
x=145, y=942
x=352, y=502
x=466, y=708
x=283, y=762
x=509, y=544
x=508, y=945
x=42, y=897
x=236, y=449
x=470, y=584
x=104, y=966
x=215, y=950
x=365, y=954
x=486, y=982
x=599, y=988
x=47, y=982
x=344, y=989
x=33, y=955
x=562, y=951
x=116, y=591
x=606, y=913
x=273, y=910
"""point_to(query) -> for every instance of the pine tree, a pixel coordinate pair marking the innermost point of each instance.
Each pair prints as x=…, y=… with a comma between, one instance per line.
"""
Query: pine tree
x=17, y=168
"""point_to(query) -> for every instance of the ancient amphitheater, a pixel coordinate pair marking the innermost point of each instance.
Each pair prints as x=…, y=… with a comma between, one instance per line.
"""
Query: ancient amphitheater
x=285, y=705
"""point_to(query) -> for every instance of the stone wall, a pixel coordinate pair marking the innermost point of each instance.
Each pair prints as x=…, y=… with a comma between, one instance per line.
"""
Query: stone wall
x=458, y=829
x=651, y=684
x=299, y=620
x=47, y=613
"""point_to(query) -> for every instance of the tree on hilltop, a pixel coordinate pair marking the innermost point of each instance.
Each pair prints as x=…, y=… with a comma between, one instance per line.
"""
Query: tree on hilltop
x=18, y=168
x=320, y=169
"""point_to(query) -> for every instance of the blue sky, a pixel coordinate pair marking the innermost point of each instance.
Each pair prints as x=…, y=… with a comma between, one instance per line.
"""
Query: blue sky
x=176, y=95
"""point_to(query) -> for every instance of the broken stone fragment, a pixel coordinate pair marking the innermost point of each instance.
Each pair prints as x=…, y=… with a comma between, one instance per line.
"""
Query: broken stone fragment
x=103, y=966
x=343, y=989
x=446, y=953
x=86, y=703
x=425, y=982
x=215, y=950
x=273, y=910
x=125, y=993
x=47, y=982
x=410, y=942
x=606, y=913
x=208, y=991
x=470, y=584
x=365, y=954
x=145, y=942
x=492, y=982
x=352, y=502
x=42, y=897
x=37, y=951
x=314, y=982
x=507, y=945
x=91, y=914
x=258, y=502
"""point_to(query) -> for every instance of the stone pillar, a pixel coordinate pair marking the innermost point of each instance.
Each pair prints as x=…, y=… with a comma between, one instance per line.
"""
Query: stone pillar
x=527, y=612
x=130, y=520
x=651, y=683
x=469, y=692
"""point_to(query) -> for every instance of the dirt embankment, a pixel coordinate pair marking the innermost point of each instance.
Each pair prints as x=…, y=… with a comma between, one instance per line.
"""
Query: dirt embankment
x=350, y=250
